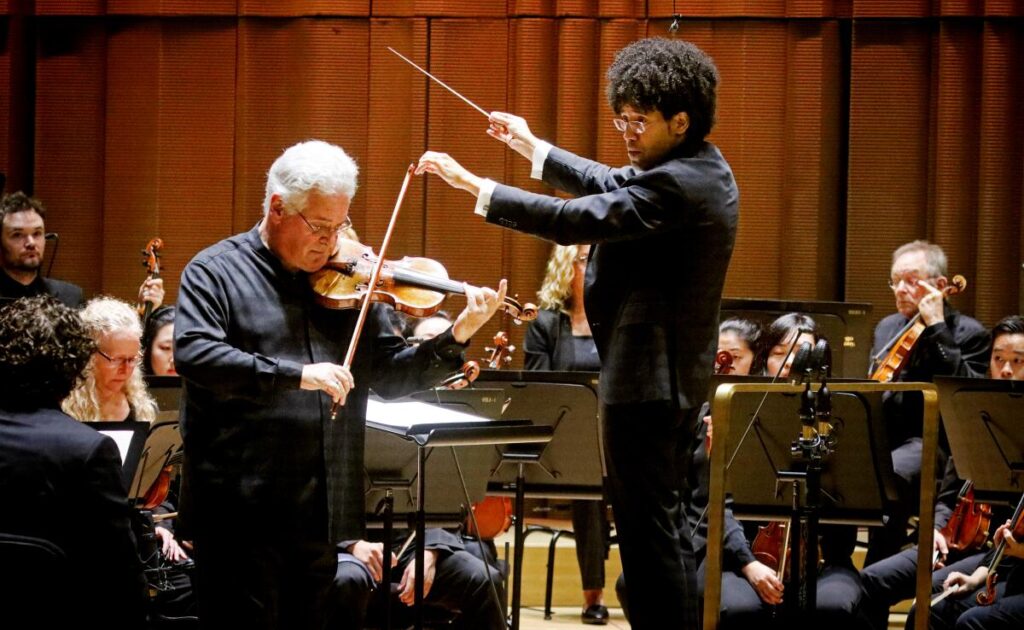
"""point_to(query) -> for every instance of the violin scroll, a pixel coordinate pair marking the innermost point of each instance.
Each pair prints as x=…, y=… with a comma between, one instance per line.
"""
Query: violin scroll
x=151, y=261
x=723, y=362
x=501, y=353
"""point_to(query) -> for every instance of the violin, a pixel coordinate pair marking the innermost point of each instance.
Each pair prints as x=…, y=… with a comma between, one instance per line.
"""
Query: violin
x=412, y=285
x=967, y=528
x=988, y=596
x=161, y=486
x=771, y=547
x=493, y=513
x=151, y=261
x=723, y=362
x=902, y=344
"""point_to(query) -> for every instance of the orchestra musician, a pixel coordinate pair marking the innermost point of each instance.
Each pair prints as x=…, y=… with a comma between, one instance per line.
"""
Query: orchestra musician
x=60, y=480
x=24, y=244
x=158, y=343
x=662, y=232
x=560, y=339
x=274, y=481
x=952, y=344
x=892, y=579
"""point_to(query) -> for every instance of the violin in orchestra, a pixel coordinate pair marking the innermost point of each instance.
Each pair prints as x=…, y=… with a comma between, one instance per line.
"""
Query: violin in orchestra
x=987, y=596
x=151, y=261
x=412, y=285
x=896, y=352
x=967, y=528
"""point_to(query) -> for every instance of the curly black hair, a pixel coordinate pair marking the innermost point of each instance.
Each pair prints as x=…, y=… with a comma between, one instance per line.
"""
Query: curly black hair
x=668, y=75
x=43, y=349
x=157, y=320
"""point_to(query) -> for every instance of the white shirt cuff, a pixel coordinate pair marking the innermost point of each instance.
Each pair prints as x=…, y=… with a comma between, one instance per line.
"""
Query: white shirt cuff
x=483, y=200
x=540, y=154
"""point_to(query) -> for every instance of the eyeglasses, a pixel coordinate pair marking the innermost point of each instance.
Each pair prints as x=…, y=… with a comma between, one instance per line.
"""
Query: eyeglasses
x=326, y=231
x=910, y=283
x=581, y=259
x=636, y=126
x=121, y=362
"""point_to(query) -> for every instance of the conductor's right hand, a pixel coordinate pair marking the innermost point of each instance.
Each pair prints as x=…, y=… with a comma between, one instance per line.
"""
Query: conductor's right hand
x=513, y=131
x=334, y=380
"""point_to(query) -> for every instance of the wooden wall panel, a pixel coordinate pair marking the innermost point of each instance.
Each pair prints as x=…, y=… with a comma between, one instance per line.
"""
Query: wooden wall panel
x=440, y=8
x=172, y=7
x=614, y=36
x=397, y=131
x=887, y=192
x=171, y=121
x=70, y=146
x=283, y=100
x=297, y=8
x=16, y=102
x=70, y=7
x=1000, y=192
x=471, y=250
x=954, y=150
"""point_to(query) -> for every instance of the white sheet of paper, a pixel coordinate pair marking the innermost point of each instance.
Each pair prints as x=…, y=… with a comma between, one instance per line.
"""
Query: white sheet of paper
x=407, y=414
x=123, y=439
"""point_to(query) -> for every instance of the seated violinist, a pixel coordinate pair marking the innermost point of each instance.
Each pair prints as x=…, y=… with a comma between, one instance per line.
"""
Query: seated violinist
x=955, y=546
x=964, y=609
x=950, y=344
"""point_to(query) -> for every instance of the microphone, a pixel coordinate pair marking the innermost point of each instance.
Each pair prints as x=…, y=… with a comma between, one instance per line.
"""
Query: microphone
x=52, y=236
x=821, y=360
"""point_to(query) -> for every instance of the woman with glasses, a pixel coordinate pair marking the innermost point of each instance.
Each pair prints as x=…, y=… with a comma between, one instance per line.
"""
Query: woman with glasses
x=112, y=389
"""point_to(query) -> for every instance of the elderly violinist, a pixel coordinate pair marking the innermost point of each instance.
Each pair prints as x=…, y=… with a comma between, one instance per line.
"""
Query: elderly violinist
x=663, y=230
x=275, y=482
x=951, y=344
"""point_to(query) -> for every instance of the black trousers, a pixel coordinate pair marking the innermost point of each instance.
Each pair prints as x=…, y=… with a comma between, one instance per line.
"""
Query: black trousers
x=590, y=529
x=648, y=447
x=260, y=583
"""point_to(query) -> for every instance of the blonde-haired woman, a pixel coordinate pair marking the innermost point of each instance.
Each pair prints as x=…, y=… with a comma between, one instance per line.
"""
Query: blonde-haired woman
x=560, y=339
x=112, y=388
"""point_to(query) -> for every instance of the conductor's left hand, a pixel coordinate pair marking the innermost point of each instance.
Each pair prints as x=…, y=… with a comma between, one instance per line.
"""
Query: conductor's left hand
x=481, y=304
x=445, y=167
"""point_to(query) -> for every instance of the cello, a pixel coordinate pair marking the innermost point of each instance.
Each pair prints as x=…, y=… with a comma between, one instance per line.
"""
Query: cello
x=151, y=261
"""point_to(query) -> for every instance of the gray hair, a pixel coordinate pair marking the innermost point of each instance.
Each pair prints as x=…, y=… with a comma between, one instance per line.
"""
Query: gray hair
x=934, y=258
x=308, y=166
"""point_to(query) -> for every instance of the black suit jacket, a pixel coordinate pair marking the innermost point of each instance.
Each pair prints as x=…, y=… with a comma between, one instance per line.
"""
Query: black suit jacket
x=61, y=480
x=68, y=294
x=662, y=240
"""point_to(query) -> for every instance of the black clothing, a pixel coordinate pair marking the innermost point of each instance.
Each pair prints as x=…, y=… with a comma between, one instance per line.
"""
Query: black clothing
x=68, y=294
x=550, y=345
x=656, y=333
x=61, y=481
x=462, y=584
x=256, y=444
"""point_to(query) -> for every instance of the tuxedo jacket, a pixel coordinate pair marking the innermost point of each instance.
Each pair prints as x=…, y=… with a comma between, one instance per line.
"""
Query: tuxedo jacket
x=661, y=243
x=61, y=481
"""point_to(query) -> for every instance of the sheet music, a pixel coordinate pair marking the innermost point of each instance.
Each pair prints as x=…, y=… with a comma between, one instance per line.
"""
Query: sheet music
x=123, y=439
x=407, y=414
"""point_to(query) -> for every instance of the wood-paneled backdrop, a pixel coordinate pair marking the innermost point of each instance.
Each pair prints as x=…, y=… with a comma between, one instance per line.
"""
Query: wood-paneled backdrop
x=852, y=125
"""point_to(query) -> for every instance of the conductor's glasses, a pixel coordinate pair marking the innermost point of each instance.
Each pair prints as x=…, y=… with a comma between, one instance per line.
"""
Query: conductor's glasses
x=636, y=126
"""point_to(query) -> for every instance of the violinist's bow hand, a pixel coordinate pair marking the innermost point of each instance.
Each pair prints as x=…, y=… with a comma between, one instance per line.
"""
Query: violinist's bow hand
x=481, y=304
x=513, y=131
x=334, y=380
x=445, y=167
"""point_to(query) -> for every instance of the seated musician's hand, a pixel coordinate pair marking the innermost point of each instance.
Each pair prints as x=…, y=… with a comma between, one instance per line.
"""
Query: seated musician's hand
x=169, y=547
x=765, y=581
x=334, y=380
x=964, y=583
x=513, y=131
x=371, y=555
x=445, y=167
x=1014, y=547
x=152, y=290
x=481, y=304
x=407, y=587
x=931, y=305
x=941, y=549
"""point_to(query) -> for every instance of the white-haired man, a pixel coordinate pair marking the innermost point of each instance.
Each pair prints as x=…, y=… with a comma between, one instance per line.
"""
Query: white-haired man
x=274, y=482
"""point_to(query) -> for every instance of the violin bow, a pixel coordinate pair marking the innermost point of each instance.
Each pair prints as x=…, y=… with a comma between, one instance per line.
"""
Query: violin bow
x=374, y=278
x=441, y=83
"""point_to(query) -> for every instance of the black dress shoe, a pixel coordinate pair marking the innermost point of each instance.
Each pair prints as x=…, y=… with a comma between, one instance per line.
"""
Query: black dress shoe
x=595, y=615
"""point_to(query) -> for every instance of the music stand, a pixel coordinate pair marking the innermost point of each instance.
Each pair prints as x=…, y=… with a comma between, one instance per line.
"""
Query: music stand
x=857, y=503
x=426, y=427
x=162, y=447
x=983, y=420
x=130, y=438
